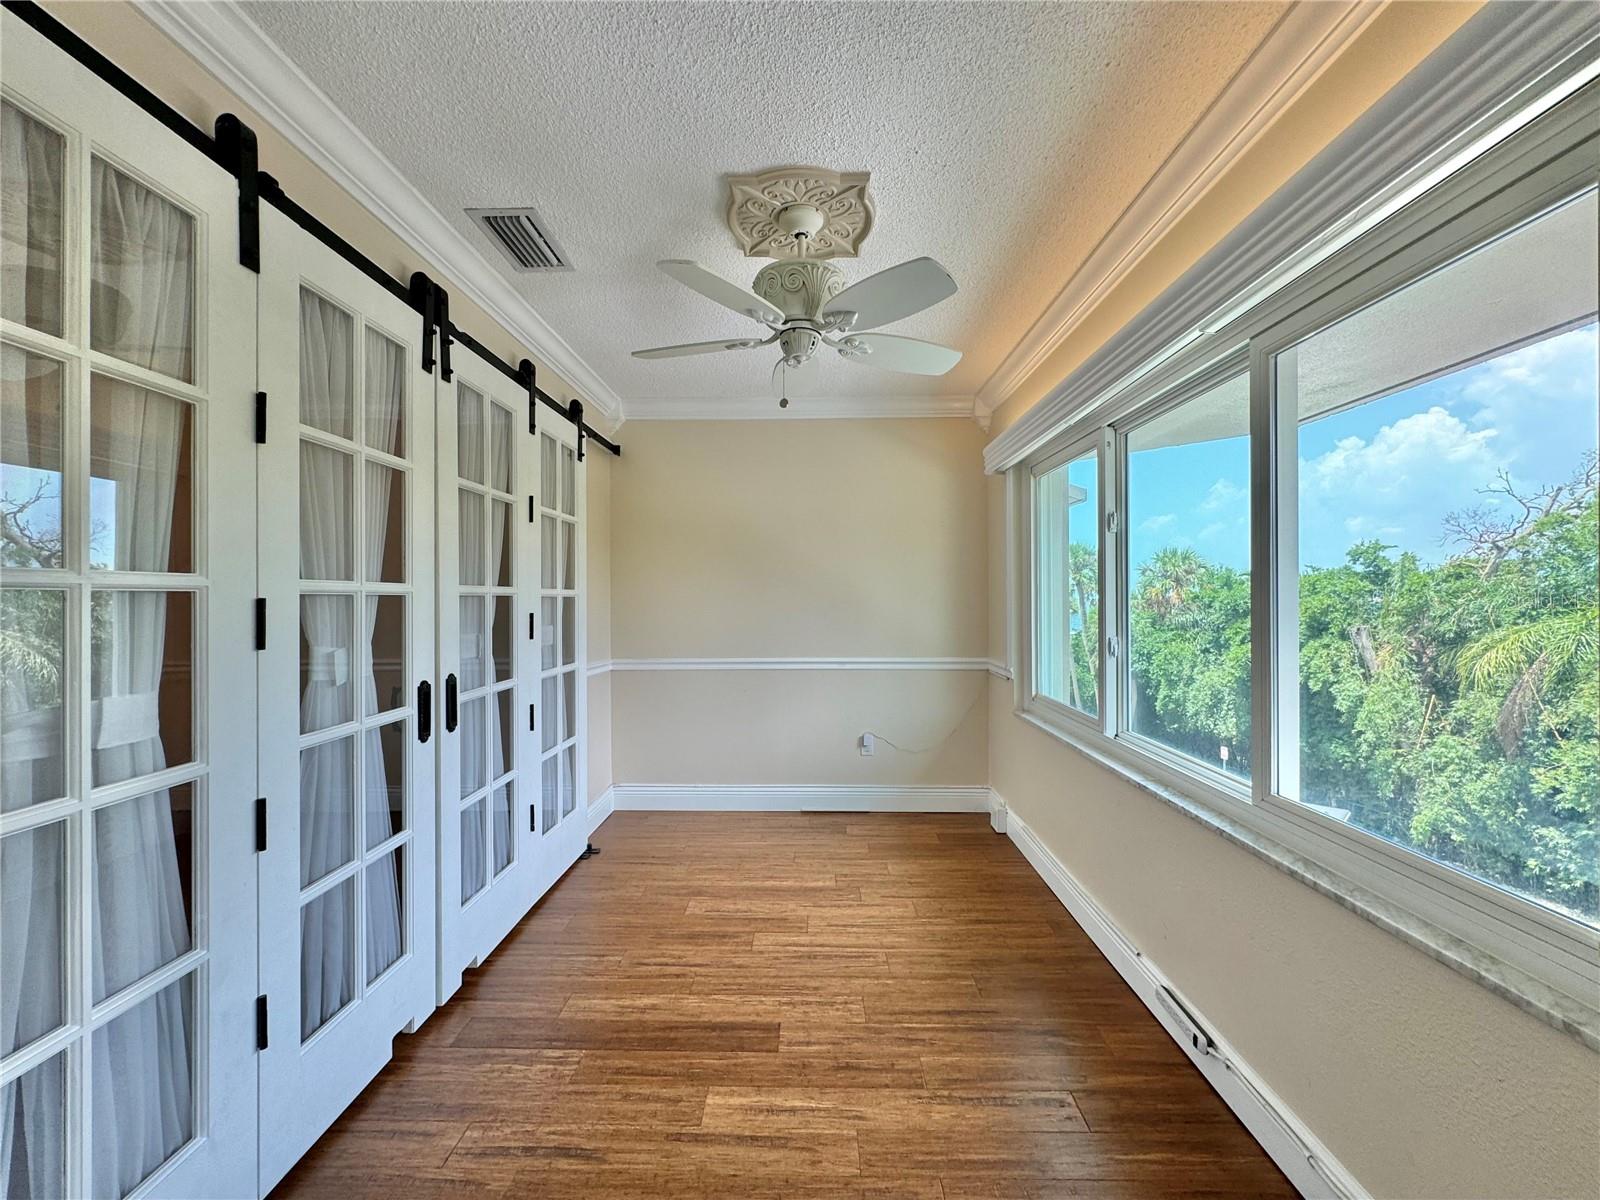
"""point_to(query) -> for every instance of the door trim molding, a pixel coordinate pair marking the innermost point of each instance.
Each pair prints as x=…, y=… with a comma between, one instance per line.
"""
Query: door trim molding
x=696, y=797
x=223, y=40
x=1286, y=1138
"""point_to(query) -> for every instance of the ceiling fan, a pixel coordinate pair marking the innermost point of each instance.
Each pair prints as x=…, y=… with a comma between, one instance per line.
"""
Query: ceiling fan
x=805, y=305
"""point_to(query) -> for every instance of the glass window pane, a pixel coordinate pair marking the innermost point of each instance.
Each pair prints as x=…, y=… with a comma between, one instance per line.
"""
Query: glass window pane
x=569, y=635
x=548, y=550
x=327, y=956
x=386, y=524
x=141, y=485
x=569, y=707
x=569, y=500
x=386, y=625
x=502, y=738
x=327, y=366
x=547, y=471
x=1067, y=601
x=1188, y=537
x=548, y=627
x=31, y=435
x=143, y=886
x=385, y=781
x=469, y=433
x=500, y=543
x=386, y=907
x=505, y=841
x=33, y=884
x=549, y=712
x=503, y=442
x=385, y=389
x=474, y=870
x=33, y=1158
x=141, y=275
x=474, y=745
x=327, y=510
x=502, y=635
x=471, y=536
x=33, y=632
x=327, y=649
x=141, y=679
x=549, y=794
x=32, y=191
x=569, y=777
x=327, y=808
x=569, y=563
x=1447, y=584
x=474, y=644
x=143, y=1088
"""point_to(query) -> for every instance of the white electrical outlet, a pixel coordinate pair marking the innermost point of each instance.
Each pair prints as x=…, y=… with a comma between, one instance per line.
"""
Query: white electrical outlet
x=869, y=745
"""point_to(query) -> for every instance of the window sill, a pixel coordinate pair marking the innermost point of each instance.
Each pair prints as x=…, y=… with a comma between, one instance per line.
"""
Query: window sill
x=1241, y=823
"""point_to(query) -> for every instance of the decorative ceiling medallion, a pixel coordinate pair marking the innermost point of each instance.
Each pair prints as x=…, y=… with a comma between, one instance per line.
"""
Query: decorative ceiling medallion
x=800, y=212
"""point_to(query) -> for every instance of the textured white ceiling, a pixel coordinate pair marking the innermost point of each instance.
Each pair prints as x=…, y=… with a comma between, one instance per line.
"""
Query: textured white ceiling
x=1003, y=139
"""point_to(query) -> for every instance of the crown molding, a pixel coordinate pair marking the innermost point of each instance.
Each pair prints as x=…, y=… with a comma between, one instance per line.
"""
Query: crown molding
x=251, y=65
x=1291, y=57
x=1507, y=64
x=764, y=408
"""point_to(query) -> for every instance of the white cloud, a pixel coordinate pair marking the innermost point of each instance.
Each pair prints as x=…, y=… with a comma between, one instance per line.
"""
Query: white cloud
x=1159, y=521
x=1222, y=494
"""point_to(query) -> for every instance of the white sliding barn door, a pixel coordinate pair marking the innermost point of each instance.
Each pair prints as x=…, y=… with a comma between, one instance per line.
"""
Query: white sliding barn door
x=488, y=593
x=348, y=723
x=127, y=661
x=562, y=723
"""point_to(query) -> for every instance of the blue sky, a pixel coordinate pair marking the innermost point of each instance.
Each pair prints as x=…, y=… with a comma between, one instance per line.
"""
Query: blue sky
x=1389, y=470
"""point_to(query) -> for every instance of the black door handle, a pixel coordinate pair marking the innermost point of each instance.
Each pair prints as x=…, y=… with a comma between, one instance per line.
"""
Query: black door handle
x=450, y=703
x=424, y=711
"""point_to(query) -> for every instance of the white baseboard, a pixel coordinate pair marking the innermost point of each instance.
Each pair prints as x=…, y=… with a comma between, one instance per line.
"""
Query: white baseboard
x=721, y=798
x=997, y=812
x=1298, y=1152
x=602, y=807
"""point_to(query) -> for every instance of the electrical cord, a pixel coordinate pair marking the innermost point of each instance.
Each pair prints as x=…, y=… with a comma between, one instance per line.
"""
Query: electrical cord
x=960, y=721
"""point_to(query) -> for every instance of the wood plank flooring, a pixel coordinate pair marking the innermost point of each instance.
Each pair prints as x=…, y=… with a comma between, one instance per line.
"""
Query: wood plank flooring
x=791, y=1005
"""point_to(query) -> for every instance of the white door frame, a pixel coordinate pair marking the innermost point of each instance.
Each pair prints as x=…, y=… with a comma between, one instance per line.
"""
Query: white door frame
x=470, y=928
x=219, y=1159
x=306, y=1082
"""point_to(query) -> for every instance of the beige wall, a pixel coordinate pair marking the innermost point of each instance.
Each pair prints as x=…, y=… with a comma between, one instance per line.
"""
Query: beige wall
x=1420, y=1081
x=598, y=468
x=800, y=539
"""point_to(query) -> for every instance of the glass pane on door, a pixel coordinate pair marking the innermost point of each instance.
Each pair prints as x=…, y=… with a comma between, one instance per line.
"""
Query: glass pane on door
x=141, y=275
x=32, y=433
x=32, y=225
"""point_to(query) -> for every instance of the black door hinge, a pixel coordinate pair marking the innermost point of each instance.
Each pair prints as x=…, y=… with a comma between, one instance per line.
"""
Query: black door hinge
x=528, y=375
x=424, y=298
x=261, y=1022
x=261, y=418
x=261, y=622
x=261, y=824
x=533, y=717
x=533, y=626
x=237, y=141
x=533, y=511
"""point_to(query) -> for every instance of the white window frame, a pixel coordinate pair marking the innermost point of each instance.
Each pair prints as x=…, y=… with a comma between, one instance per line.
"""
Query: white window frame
x=1541, y=959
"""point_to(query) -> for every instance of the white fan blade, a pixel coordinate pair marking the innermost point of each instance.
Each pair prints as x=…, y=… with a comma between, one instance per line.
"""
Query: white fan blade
x=697, y=348
x=892, y=294
x=790, y=382
x=715, y=287
x=892, y=353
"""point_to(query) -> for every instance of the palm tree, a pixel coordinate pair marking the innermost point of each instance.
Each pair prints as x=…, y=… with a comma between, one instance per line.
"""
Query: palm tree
x=1519, y=658
x=1168, y=578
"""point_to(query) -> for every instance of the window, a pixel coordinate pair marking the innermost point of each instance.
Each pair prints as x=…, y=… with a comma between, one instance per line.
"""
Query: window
x=1067, y=633
x=1446, y=566
x=1326, y=570
x=1187, y=606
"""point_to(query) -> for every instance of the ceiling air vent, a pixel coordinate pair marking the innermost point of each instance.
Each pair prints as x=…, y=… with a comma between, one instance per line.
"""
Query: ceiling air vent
x=518, y=232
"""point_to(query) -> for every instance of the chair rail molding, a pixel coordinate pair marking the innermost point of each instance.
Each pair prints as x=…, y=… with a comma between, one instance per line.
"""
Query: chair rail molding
x=223, y=40
x=1289, y=59
x=798, y=664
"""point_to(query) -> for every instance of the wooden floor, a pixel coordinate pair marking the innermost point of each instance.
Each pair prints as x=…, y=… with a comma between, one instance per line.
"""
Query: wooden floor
x=791, y=1005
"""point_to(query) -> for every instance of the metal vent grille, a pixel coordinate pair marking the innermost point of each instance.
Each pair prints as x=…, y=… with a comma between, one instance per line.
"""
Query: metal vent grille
x=522, y=238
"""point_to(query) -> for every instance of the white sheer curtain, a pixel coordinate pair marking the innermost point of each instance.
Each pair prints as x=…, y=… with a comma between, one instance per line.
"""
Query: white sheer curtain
x=385, y=403
x=327, y=775
x=143, y=1102
x=499, y=814
x=32, y=158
